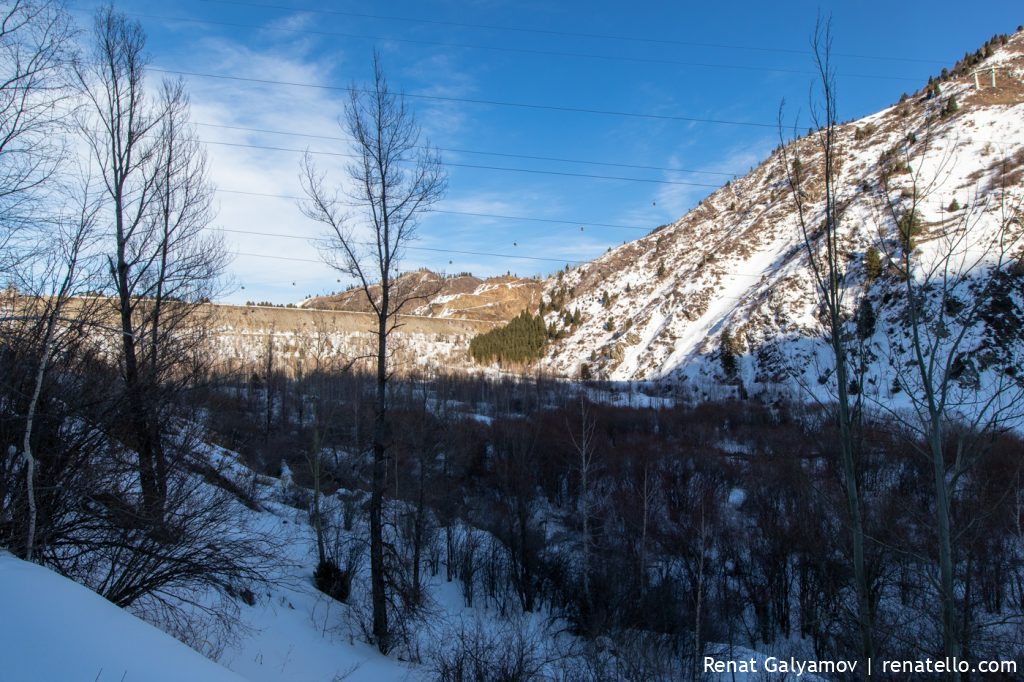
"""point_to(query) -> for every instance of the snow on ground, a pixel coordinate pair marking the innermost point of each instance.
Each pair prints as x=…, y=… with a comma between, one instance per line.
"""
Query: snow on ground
x=54, y=630
x=294, y=633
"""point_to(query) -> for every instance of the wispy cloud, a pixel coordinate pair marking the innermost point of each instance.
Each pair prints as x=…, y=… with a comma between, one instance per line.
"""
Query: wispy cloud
x=239, y=160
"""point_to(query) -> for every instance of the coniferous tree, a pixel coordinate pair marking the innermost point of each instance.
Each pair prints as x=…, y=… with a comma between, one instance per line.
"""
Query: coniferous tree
x=523, y=339
x=872, y=264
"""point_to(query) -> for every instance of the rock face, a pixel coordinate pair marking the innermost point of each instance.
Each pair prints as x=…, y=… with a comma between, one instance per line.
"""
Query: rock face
x=463, y=297
x=656, y=308
x=307, y=340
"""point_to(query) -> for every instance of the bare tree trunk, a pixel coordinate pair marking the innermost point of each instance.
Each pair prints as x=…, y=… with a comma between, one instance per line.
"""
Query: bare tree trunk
x=30, y=461
x=419, y=528
x=315, y=462
x=377, y=568
x=268, y=370
x=645, y=512
x=829, y=274
x=698, y=643
x=585, y=452
x=52, y=319
x=396, y=179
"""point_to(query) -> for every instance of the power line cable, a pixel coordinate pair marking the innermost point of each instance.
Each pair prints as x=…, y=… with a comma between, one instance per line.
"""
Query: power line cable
x=473, y=214
x=571, y=34
x=467, y=100
x=453, y=164
x=514, y=50
x=613, y=164
x=424, y=248
x=411, y=248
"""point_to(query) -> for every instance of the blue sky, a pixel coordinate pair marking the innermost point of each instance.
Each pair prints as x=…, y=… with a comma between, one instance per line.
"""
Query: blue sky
x=664, y=62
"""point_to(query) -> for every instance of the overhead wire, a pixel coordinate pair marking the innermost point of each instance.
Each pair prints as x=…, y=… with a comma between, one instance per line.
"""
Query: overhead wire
x=407, y=247
x=613, y=164
x=560, y=33
x=468, y=100
x=514, y=50
x=567, y=261
x=474, y=214
x=453, y=164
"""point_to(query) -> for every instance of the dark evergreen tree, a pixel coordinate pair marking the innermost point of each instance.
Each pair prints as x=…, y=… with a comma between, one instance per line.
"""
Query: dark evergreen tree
x=866, y=319
x=523, y=339
x=727, y=353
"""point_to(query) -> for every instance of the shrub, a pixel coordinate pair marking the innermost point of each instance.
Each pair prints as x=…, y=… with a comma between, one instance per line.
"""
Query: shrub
x=954, y=205
x=951, y=106
x=508, y=653
x=330, y=579
x=865, y=131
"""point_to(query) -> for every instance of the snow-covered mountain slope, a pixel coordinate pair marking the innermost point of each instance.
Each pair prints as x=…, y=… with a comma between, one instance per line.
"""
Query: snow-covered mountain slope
x=656, y=308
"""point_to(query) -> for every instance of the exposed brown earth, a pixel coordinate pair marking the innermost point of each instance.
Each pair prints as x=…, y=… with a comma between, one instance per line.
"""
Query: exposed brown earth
x=463, y=297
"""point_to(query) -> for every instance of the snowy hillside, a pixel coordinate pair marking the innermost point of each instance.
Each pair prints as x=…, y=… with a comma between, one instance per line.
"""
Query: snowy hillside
x=657, y=307
x=54, y=629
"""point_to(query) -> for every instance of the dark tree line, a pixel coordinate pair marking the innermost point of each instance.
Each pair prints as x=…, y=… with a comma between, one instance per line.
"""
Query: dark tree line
x=520, y=341
x=683, y=531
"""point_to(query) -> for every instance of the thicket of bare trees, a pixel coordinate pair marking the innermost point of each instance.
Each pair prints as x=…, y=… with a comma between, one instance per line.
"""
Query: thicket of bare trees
x=962, y=334
x=693, y=547
x=947, y=330
x=102, y=341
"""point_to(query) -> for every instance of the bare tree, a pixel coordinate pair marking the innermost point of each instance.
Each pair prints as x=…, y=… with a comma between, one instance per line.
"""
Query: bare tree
x=962, y=397
x=36, y=53
x=585, y=452
x=157, y=203
x=393, y=181
x=828, y=267
x=61, y=281
x=36, y=56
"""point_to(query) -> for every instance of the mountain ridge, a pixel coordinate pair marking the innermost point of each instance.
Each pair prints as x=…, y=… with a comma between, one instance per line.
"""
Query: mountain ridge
x=656, y=308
